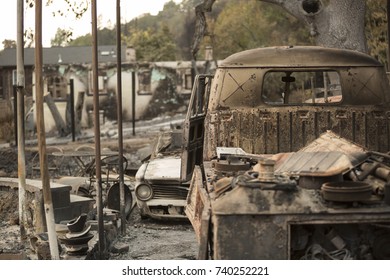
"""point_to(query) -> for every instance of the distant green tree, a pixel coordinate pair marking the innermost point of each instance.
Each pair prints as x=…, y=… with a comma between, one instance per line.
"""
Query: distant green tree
x=153, y=45
x=376, y=29
x=84, y=40
x=61, y=38
x=233, y=25
x=9, y=44
x=176, y=18
x=239, y=27
x=172, y=18
x=105, y=37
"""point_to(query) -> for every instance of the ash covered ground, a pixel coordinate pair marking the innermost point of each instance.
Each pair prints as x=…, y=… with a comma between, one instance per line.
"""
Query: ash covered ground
x=146, y=239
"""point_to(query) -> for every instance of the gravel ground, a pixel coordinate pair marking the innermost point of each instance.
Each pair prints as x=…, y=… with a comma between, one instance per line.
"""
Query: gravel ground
x=148, y=239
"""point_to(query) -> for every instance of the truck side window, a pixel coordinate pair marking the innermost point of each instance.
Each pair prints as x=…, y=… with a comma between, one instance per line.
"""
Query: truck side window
x=304, y=87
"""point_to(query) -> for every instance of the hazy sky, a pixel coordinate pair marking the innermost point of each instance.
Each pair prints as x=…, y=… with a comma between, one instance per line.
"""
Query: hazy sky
x=106, y=11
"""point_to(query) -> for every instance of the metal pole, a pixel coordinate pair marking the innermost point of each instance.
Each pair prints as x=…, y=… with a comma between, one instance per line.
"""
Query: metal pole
x=20, y=84
x=388, y=35
x=99, y=198
x=15, y=94
x=72, y=115
x=133, y=99
x=119, y=116
x=47, y=199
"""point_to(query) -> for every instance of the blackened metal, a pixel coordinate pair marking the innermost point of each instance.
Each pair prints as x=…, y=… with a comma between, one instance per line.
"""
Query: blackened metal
x=347, y=191
x=72, y=115
x=133, y=99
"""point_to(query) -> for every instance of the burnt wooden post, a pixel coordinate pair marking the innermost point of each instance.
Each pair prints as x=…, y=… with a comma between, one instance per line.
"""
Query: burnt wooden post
x=48, y=203
x=95, y=87
x=19, y=124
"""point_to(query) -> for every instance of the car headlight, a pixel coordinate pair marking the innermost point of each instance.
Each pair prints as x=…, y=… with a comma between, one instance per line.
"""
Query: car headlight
x=144, y=192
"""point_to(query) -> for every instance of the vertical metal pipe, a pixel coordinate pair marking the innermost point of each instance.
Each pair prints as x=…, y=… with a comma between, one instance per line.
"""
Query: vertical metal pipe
x=99, y=197
x=388, y=35
x=133, y=99
x=20, y=117
x=15, y=94
x=119, y=116
x=72, y=115
x=48, y=204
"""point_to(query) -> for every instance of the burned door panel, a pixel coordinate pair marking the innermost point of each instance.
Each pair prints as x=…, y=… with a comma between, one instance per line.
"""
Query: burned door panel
x=193, y=132
x=193, y=152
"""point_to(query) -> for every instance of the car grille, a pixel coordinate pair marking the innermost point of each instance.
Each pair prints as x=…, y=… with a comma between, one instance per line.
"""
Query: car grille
x=169, y=192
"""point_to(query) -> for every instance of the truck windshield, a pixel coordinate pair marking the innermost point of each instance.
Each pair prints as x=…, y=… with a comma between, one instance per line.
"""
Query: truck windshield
x=303, y=87
x=253, y=87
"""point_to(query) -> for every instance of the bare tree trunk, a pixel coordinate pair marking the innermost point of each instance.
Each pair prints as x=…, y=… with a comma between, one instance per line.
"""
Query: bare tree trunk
x=201, y=24
x=333, y=23
x=20, y=120
x=48, y=202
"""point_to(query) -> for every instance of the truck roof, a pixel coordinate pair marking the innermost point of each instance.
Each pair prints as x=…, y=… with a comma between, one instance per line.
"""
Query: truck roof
x=299, y=56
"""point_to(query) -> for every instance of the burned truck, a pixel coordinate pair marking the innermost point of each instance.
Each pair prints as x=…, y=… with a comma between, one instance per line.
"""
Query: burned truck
x=287, y=153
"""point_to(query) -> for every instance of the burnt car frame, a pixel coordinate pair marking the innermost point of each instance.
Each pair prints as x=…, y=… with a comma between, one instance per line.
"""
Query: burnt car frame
x=283, y=162
x=162, y=181
x=159, y=192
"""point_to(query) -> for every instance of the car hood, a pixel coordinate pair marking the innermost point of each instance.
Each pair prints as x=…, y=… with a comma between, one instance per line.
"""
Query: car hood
x=165, y=169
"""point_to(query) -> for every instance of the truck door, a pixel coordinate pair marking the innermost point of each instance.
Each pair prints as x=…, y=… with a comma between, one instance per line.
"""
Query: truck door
x=193, y=130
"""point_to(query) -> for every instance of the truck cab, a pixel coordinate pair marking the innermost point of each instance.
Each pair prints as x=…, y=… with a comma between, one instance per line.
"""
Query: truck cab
x=286, y=152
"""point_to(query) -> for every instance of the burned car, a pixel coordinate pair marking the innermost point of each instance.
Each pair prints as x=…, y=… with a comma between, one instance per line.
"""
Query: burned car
x=286, y=150
x=159, y=192
x=163, y=180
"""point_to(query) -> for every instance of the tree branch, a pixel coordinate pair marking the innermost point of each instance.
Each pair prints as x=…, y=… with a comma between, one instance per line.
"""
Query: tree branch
x=200, y=25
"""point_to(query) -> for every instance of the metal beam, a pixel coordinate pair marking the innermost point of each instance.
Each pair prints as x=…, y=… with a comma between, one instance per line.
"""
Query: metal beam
x=119, y=116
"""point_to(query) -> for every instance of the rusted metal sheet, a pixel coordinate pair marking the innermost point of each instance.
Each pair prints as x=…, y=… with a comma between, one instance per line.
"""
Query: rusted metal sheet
x=198, y=205
x=328, y=155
